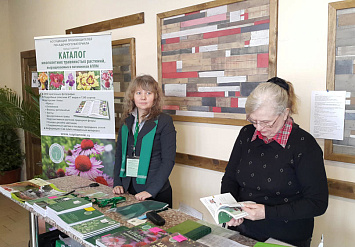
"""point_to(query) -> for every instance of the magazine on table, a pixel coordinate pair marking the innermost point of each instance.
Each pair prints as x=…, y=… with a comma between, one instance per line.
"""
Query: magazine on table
x=224, y=207
x=30, y=190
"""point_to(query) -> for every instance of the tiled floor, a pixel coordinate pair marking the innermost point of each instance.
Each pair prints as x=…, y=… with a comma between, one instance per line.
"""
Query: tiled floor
x=14, y=224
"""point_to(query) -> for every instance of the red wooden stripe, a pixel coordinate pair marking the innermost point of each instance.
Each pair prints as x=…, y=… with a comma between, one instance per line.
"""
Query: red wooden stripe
x=191, y=13
x=246, y=16
x=262, y=22
x=171, y=107
x=209, y=19
x=172, y=40
x=263, y=60
x=197, y=49
x=237, y=93
x=221, y=33
x=205, y=94
x=181, y=75
x=234, y=102
x=216, y=109
x=247, y=42
x=169, y=67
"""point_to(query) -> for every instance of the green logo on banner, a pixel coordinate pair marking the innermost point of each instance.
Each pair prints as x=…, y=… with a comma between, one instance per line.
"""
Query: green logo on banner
x=56, y=153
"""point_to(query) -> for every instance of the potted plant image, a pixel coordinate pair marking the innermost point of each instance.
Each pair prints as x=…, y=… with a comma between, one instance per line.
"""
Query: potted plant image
x=15, y=114
x=11, y=156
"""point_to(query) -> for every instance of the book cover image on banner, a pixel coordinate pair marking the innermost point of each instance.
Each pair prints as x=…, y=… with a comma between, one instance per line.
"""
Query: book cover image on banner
x=75, y=79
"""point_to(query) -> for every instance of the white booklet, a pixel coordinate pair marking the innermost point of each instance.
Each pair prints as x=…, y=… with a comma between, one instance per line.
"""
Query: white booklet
x=223, y=207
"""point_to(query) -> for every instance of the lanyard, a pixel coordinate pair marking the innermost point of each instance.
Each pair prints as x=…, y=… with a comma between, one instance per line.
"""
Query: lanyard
x=136, y=135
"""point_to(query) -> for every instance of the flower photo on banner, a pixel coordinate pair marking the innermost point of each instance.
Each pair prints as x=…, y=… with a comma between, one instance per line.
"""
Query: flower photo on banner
x=88, y=158
x=69, y=78
x=106, y=80
x=88, y=80
x=43, y=81
x=56, y=80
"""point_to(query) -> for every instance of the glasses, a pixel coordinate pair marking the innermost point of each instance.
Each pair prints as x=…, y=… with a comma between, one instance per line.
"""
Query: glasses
x=263, y=124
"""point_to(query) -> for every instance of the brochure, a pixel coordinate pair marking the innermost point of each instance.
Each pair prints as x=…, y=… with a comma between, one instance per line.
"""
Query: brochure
x=223, y=207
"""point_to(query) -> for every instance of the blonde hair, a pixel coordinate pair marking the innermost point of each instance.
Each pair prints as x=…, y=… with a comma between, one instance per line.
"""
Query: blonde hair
x=270, y=93
x=148, y=83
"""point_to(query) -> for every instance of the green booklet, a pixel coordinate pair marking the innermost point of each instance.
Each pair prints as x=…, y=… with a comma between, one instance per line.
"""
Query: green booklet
x=40, y=204
x=140, y=208
x=191, y=229
x=68, y=206
x=93, y=227
x=81, y=215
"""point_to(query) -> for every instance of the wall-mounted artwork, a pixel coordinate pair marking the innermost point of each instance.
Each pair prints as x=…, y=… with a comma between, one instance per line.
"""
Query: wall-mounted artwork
x=212, y=55
x=341, y=75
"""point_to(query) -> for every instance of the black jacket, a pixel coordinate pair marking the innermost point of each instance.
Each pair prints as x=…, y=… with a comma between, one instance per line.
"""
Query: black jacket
x=162, y=159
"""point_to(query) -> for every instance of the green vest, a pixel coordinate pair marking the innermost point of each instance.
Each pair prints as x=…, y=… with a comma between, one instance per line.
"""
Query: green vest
x=145, y=154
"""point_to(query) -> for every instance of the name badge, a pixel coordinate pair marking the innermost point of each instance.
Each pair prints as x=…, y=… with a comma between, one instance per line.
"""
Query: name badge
x=132, y=167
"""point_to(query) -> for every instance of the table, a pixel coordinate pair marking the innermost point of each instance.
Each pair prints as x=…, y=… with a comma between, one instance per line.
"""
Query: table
x=172, y=216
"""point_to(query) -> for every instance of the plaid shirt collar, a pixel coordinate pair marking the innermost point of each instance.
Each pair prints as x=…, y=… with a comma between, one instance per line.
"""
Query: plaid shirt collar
x=281, y=136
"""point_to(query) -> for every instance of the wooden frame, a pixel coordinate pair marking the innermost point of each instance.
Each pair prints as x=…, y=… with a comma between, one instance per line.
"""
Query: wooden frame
x=129, y=70
x=32, y=143
x=329, y=152
x=124, y=21
x=132, y=51
x=272, y=51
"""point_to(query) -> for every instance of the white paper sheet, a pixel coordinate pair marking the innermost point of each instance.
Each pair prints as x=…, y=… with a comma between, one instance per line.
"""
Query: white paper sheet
x=327, y=114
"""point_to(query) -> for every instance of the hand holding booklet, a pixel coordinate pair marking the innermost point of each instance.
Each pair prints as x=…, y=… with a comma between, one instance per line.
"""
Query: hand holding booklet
x=223, y=207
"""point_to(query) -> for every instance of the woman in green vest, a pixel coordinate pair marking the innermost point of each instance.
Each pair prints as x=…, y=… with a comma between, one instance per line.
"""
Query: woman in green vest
x=146, y=144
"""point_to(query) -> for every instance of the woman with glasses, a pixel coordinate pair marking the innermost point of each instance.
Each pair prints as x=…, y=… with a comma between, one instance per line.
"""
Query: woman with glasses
x=277, y=165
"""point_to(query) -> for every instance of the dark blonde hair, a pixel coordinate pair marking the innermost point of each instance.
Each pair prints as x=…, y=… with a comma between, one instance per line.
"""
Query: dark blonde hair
x=271, y=93
x=148, y=83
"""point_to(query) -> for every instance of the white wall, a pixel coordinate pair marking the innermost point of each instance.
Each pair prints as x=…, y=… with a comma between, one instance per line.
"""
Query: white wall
x=5, y=44
x=302, y=56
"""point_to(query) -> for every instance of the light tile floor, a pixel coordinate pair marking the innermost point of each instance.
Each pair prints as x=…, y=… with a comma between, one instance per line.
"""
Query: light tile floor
x=14, y=224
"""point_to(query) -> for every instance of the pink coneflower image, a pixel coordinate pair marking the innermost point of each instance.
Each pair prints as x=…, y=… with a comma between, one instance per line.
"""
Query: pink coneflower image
x=87, y=147
x=105, y=180
x=83, y=166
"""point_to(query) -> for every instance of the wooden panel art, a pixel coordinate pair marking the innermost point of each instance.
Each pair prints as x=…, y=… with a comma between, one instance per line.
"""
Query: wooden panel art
x=212, y=55
x=341, y=75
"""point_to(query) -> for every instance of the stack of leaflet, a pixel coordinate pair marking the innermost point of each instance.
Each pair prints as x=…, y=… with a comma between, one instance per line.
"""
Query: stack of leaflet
x=30, y=190
x=68, y=219
x=40, y=204
x=91, y=241
x=94, y=227
x=140, y=235
x=66, y=206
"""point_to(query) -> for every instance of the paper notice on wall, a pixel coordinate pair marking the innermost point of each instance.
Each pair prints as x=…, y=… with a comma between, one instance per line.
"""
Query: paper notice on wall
x=176, y=90
x=327, y=114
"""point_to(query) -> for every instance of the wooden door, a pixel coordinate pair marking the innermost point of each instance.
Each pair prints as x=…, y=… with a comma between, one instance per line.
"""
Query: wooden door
x=32, y=143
